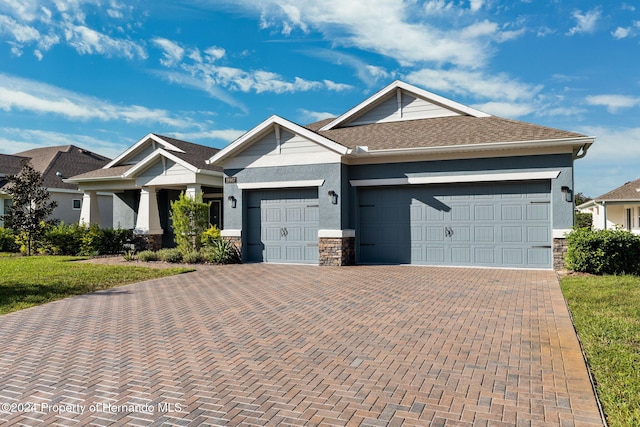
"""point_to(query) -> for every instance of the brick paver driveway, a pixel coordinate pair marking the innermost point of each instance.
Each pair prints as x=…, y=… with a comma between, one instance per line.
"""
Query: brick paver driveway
x=300, y=345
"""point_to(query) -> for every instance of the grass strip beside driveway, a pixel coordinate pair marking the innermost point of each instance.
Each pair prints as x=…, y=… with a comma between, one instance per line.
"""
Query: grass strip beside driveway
x=606, y=314
x=29, y=281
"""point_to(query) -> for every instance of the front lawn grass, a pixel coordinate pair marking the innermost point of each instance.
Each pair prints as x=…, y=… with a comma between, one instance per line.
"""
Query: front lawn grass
x=29, y=281
x=606, y=314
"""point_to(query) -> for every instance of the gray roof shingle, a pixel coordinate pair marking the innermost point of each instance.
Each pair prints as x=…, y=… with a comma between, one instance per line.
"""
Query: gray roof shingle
x=627, y=191
x=439, y=132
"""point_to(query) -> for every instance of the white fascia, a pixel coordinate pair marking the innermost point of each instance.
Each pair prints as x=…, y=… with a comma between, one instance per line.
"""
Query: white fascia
x=421, y=93
x=141, y=142
x=569, y=142
x=248, y=137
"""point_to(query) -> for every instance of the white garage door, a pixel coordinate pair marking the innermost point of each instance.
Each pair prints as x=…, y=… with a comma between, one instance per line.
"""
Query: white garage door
x=489, y=224
x=282, y=226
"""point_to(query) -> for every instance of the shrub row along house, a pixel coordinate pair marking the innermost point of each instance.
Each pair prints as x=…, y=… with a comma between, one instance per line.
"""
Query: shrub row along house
x=406, y=176
x=617, y=208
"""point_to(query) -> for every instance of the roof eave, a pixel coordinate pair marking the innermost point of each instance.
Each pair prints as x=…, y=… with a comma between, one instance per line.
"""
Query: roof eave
x=570, y=142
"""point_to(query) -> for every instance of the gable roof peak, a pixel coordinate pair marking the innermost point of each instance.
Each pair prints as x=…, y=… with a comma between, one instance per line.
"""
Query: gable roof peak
x=395, y=87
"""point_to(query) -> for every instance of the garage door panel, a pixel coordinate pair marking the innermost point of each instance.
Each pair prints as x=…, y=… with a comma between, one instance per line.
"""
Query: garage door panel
x=466, y=224
x=283, y=225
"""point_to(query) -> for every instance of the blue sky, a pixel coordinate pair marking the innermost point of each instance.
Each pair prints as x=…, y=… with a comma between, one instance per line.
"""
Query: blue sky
x=102, y=74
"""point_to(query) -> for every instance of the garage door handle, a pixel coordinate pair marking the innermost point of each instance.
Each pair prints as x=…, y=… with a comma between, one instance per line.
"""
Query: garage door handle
x=542, y=247
x=448, y=231
x=367, y=244
x=284, y=232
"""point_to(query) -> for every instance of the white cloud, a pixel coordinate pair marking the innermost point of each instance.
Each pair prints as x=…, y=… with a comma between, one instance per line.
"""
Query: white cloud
x=404, y=31
x=21, y=33
x=613, y=103
x=314, y=116
x=88, y=41
x=368, y=73
x=214, y=53
x=585, y=22
x=223, y=135
x=28, y=95
x=506, y=109
x=475, y=5
x=620, y=33
x=172, y=52
x=499, y=87
x=26, y=139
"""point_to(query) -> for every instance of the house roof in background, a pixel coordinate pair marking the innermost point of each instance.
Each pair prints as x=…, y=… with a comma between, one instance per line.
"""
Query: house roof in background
x=69, y=160
x=628, y=191
x=66, y=159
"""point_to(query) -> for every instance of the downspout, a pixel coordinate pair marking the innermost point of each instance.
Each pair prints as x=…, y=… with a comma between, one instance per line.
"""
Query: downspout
x=605, y=213
x=583, y=152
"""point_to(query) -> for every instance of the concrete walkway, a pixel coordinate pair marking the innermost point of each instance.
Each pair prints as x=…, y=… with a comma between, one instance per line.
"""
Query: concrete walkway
x=265, y=344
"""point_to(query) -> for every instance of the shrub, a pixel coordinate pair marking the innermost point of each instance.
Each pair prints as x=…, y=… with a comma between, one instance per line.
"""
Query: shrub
x=63, y=239
x=129, y=255
x=603, y=251
x=192, y=257
x=211, y=235
x=170, y=255
x=147, y=256
x=8, y=241
x=583, y=220
x=190, y=218
x=223, y=252
x=104, y=241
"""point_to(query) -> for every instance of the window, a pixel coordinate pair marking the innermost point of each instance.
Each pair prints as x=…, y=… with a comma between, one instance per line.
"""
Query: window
x=629, y=219
x=77, y=204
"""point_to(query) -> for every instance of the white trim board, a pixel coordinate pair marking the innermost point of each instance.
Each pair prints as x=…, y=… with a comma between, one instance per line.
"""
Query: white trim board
x=281, y=184
x=336, y=233
x=451, y=179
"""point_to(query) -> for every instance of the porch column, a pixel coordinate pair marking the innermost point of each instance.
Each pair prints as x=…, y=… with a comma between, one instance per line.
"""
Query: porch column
x=148, y=215
x=193, y=190
x=90, y=210
x=148, y=229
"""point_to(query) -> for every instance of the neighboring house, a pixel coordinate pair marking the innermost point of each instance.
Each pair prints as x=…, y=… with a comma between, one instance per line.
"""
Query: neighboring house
x=617, y=208
x=406, y=176
x=145, y=178
x=55, y=164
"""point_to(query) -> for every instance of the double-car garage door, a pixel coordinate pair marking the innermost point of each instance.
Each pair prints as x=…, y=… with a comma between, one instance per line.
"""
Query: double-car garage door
x=488, y=224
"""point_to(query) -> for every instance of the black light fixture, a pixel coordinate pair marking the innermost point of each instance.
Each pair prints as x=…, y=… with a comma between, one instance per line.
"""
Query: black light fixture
x=568, y=194
x=334, y=197
x=232, y=201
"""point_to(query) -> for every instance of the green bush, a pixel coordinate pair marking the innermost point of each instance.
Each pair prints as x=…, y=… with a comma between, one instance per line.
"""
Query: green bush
x=222, y=252
x=170, y=255
x=583, y=220
x=147, y=256
x=603, y=251
x=192, y=257
x=211, y=235
x=104, y=241
x=190, y=219
x=8, y=241
x=62, y=239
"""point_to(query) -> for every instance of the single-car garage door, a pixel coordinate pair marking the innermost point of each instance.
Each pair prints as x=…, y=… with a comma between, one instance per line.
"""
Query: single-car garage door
x=282, y=226
x=488, y=224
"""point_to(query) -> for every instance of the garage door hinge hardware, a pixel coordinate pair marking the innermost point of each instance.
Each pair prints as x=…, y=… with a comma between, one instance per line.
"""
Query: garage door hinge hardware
x=542, y=246
x=546, y=202
x=367, y=244
x=284, y=232
x=313, y=206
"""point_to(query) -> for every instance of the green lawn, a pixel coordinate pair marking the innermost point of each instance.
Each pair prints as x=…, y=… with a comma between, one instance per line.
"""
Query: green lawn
x=606, y=312
x=29, y=281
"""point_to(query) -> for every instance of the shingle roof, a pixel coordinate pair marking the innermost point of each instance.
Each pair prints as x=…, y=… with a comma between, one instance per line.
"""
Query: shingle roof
x=439, y=132
x=194, y=154
x=67, y=159
x=9, y=165
x=627, y=191
x=113, y=172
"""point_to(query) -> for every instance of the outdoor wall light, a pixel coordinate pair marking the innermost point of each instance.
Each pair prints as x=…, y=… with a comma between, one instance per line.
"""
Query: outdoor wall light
x=334, y=197
x=232, y=201
x=568, y=194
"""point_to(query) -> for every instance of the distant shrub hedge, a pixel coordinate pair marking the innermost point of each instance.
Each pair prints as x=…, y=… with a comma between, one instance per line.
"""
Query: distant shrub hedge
x=80, y=240
x=603, y=251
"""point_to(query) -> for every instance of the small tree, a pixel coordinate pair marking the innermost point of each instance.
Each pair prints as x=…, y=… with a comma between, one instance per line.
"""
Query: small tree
x=30, y=209
x=190, y=220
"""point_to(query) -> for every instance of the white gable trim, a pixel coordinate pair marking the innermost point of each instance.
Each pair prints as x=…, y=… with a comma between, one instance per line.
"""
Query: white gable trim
x=148, y=161
x=452, y=179
x=138, y=144
x=420, y=93
x=274, y=121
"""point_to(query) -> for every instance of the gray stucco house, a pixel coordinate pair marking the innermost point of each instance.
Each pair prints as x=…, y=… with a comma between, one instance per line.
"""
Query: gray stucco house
x=144, y=179
x=406, y=176
x=55, y=164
